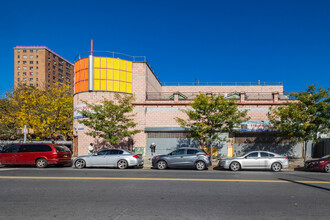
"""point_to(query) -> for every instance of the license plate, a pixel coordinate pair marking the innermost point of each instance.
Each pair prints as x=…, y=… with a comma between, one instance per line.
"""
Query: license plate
x=65, y=155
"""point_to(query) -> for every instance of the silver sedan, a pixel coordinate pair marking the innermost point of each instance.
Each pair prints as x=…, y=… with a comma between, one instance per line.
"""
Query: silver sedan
x=256, y=160
x=109, y=158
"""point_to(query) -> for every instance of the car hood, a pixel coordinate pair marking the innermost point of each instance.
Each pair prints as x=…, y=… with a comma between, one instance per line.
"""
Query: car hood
x=316, y=159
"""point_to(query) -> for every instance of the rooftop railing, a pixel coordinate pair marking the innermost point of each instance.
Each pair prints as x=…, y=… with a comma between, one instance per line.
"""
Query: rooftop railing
x=221, y=83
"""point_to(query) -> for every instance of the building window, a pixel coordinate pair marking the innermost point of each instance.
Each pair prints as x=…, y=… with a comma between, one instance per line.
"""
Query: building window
x=60, y=65
x=18, y=68
x=37, y=62
x=54, y=72
x=24, y=79
x=54, y=61
x=37, y=85
x=37, y=56
x=31, y=62
x=24, y=73
x=67, y=79
x=54, y=56
x=60, y=75
x=31, y=84
x=37, y=67
x=54, y=67
x=54, y=77
x=68, y=64
x=49, y=80
x=31, y=51
x=37, y=79
x=31, y=73
x=31, y=67
x=48, y=58
x=18, y=56
x=61, y=71
x=48, y=64
x=24, y=51
x=24, y=56
x=17, y=73
x=48, y=75
x=31, y=79
x=17, y=79
x=24, y=62
x=31, y=56
x=67, y=69
x=60, y=80
x=24, y=84
x=49, y=70
x=68, y=75
x=18, y=51
x=37, y=51
x=37, y=74
x=18, y=62
x=24, y=68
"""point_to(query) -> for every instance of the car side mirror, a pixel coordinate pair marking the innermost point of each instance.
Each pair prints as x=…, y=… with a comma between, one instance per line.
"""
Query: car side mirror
x=170, y=154
x=94, y=154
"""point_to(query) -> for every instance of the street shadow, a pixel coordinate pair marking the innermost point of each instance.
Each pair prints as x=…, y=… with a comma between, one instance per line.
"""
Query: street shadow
x=306, y=184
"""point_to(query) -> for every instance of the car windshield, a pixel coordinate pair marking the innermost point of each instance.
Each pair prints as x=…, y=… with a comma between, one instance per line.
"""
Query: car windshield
x=62, y=149
x=326, y=156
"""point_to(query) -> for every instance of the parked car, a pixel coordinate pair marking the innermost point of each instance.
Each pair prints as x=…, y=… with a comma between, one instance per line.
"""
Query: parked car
x=256, y=160
x=109, y=158
x=321, y=164
x=183, y=157
x=39, y=154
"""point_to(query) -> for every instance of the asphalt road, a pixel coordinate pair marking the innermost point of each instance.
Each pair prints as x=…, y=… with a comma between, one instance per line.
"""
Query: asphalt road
x=66, y=193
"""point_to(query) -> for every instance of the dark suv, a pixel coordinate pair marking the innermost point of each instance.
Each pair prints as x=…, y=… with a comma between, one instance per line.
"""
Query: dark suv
x=184, y=158
x=39, y=154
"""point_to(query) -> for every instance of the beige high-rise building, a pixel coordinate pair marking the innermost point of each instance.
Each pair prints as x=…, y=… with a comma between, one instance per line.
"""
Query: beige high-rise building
x=41, y=67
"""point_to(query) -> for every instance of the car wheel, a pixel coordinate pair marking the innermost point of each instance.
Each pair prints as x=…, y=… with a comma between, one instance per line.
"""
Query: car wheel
x=200, y=165
x=80, y=163
x=235, y=166
x=41, y=163
x=276, y=167
x=327, y=168
x=161, y=165
x=122, y=164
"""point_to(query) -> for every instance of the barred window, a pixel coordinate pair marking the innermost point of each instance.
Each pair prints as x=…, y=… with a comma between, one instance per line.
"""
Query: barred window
x=168, y=134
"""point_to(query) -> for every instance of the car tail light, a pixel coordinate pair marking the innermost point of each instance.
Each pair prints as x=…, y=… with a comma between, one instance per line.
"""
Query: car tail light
x=206, y=155
x=55, y=154
x=136, y=156
x=285, y=158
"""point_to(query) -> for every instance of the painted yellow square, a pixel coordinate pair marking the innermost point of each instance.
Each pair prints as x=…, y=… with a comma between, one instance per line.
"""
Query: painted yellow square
x=129, y=66
x=96, y=84
x=110, y=63
x=122, y=76
x=97, y=62
x=122, y=86
x=116, y=86
x=116, y=64
x=129, y=87
x=103, y=85
x=128, y=77
x=103, y=62
x=103, y=73
x=96, y=73
x=122, y=64
x=109, y=74
x=116, y=75
x=109, y=85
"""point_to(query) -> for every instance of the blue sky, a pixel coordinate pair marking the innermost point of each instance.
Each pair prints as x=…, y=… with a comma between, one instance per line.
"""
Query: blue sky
x=214, y=41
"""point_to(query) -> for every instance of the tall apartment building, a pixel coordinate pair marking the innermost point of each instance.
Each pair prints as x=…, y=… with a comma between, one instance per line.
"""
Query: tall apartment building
x=41, y=67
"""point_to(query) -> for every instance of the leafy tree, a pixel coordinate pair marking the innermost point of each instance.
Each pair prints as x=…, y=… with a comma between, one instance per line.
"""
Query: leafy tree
x=47, y=114
x=8, y=127
x=211, y=115
x=305, y=118
x=112, y=120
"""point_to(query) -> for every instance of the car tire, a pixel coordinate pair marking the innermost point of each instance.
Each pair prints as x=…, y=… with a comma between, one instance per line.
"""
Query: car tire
x=276, y=167
x=161, y=165
x=41, y=163
x=327, y=168
x=122, y=164
x=235, y=166
x=79, y=164
x=200, y=165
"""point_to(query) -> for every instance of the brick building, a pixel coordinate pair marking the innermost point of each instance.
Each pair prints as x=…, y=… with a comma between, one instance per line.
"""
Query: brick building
x=157, y=105
x=40, y=67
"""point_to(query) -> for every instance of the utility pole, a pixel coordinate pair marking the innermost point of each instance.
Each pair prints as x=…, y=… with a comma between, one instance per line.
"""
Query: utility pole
x=25, y=131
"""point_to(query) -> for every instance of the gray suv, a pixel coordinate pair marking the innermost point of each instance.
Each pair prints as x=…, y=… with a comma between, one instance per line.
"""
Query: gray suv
x=183, y=158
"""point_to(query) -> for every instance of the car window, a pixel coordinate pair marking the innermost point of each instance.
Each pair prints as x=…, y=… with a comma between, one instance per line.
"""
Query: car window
x=271, y=155
x=13, y=149
x=178, y=152
x=193, y=152
x=62, y=149
x=116, y=152
x=103, y=152
x=34, y=148
x=263, y=154
x=251, y=155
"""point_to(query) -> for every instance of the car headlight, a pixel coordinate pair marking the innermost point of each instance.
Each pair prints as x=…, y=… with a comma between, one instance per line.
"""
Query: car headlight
x=156, y=157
